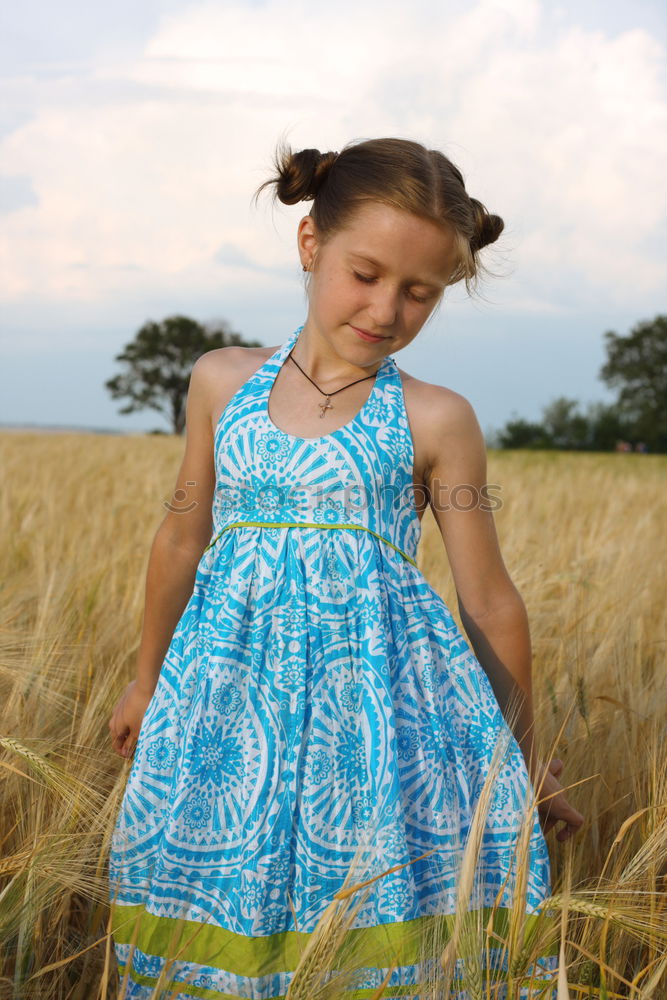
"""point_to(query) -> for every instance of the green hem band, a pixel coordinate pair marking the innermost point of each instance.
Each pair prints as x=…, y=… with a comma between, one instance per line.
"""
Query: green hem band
x=378, y=946
x=308, y=524
x=360, y=992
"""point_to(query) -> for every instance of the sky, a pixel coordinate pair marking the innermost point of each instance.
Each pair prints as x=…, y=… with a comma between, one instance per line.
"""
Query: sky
x=132, y=138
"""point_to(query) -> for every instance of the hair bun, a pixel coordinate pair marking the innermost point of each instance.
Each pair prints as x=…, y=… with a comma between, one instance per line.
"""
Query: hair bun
x=488, y=227
x=301, y=174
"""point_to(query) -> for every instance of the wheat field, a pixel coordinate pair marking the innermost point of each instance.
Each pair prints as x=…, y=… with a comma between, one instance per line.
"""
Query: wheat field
x=583, y=537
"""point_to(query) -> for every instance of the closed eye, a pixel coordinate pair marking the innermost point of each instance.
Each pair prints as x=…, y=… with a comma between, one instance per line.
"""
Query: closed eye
x=368, y=279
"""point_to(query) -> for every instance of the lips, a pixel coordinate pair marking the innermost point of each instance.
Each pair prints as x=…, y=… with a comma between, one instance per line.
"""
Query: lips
x=368, y=335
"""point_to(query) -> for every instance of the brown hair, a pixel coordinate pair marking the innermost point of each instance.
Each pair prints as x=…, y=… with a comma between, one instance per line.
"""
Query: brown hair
x=398, y=172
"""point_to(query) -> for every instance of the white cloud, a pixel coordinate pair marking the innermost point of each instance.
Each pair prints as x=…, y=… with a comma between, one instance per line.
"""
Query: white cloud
x=564, y=136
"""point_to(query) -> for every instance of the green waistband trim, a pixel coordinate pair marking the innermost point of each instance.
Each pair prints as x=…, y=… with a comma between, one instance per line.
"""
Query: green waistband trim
x=378, y=947
x=307, y=524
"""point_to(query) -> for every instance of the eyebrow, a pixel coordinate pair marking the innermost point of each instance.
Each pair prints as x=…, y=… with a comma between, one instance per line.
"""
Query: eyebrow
x=412, y=281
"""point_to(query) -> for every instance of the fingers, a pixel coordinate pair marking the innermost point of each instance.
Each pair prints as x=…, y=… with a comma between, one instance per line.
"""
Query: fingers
x=123, y=741
x=571, y=818
x=568, y=830
x=548, y=824
x=573, y=822
x=124, y=747
x=554, y=807
x=118, y=742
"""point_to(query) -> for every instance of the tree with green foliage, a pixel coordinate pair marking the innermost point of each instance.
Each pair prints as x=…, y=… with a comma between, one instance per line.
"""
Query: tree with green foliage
x=637, y=366
x=158, y=363
x=565, y=425
x=606, y=426
x=520, y=433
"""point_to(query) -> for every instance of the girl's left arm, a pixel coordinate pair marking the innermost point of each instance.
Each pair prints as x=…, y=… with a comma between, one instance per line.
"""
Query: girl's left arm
x=492, y=611
x=491, y=608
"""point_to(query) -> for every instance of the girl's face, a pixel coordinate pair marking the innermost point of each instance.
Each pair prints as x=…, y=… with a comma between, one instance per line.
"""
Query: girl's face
x=382, y=275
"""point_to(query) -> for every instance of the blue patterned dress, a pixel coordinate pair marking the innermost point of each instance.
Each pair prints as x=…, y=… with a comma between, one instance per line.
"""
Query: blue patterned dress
x=316, y=699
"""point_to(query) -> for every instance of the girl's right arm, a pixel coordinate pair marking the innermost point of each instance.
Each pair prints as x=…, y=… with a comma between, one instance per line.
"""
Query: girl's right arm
x=175, y=553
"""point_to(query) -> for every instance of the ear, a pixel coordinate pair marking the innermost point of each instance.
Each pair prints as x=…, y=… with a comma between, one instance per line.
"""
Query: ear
x=307, y=241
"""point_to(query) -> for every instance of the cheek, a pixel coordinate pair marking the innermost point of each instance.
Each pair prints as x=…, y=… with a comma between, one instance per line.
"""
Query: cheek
x=337, y=292
x=415, y=315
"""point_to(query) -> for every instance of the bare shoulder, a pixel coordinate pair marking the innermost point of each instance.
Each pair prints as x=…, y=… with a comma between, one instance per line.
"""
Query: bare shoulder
x=442, y=421
x=226, y=362
x=222, y=371
x=436, y=403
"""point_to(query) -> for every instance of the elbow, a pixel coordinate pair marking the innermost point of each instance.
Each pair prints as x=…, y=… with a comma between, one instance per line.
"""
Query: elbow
x=503, y=604
x=178, y=539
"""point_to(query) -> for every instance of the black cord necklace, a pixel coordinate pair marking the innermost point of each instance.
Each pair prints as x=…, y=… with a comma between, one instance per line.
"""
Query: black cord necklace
x=326, y=405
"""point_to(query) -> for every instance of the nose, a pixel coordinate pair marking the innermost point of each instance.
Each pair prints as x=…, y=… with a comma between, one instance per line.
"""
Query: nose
x=383, y=307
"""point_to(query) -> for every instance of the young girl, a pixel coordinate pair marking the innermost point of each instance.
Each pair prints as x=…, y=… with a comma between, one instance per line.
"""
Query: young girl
x=301, y=690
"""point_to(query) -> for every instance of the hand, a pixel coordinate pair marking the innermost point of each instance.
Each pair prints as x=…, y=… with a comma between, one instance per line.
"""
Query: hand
x=556, y=808
x=125, y=723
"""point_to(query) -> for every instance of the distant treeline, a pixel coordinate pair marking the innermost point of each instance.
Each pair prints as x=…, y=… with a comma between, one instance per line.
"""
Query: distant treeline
x=601, y=427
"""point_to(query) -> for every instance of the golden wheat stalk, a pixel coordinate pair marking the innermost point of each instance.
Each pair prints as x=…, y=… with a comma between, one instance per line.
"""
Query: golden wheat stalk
x=469, y=861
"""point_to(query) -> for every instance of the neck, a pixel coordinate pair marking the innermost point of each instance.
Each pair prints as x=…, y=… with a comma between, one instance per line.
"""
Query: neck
x=323, y=364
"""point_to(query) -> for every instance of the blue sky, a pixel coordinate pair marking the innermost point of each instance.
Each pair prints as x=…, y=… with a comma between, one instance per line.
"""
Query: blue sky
x=132, y=137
